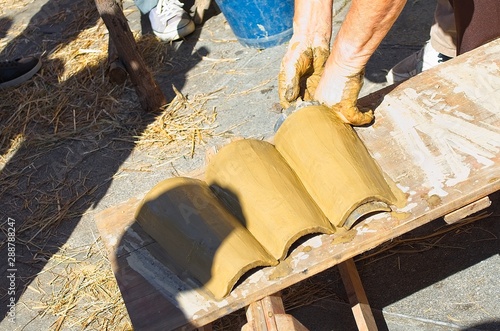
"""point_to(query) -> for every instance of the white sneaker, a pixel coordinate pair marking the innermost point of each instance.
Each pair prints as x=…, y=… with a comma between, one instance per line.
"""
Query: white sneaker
x=169, y=21
x=426, y=58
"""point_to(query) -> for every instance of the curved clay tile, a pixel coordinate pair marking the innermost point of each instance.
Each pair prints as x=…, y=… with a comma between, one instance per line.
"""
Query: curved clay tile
x=202, y=239
x=334, y=165
x=252, y=178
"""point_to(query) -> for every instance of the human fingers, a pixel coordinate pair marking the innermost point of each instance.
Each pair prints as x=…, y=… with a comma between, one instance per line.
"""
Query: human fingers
x=296, y=63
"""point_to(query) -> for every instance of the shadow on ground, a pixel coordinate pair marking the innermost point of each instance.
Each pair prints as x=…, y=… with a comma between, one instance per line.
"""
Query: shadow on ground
x=64, y=134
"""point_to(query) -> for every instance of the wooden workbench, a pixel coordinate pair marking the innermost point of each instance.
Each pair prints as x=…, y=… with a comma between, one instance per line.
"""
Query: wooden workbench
x=436, y=135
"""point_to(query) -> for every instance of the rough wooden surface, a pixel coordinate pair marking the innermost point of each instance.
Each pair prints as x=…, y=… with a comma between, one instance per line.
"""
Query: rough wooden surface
x=465, y=211
x=436, y=135
x=269, y=314
x=149, y=94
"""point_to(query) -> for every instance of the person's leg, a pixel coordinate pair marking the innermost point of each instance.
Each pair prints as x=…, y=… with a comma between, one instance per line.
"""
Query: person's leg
x=169, y=21
x=145, y=6
x=477, y=22
x=443, y=32
x=439, y=48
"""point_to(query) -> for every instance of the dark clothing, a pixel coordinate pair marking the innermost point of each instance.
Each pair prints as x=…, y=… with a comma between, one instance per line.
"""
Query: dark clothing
x=477, y=22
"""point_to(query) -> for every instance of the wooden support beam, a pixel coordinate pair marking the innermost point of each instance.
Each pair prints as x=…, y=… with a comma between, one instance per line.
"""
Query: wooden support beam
x=465, y=211
x=150, y=95
x=268, y=314
x=357, y=297
x=116, y=70
x=201, y=6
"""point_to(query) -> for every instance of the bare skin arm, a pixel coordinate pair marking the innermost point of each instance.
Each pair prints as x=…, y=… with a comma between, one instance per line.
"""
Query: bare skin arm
x=335, y=78
x=366, y=24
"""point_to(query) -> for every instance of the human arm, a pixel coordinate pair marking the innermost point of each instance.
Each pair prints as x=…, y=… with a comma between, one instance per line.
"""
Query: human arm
x=308, y=50
x=338, y=80
x=366, y=24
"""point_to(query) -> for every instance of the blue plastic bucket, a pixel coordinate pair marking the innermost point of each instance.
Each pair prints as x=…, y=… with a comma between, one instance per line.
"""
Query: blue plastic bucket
x=259, y=23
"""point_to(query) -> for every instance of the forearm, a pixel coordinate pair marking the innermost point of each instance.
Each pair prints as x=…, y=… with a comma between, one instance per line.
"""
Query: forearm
x=366, y=24
x=313, y=19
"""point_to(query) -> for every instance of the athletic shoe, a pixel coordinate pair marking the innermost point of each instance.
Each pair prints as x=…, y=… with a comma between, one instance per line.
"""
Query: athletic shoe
x=169, y=21
x=16, y=72
x=426, y=58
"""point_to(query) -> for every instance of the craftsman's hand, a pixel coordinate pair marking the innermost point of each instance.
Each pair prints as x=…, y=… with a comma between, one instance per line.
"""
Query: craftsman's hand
x=339, y=90
x=301, y=70
x=308, y=50
x=364, y=27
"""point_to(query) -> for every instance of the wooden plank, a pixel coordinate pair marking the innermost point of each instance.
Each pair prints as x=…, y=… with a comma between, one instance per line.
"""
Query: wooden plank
x=436, y=135
x=465, y=211
x=287, y=322
x=268, y=314
x=256, y=320
x=272, y=306
x=357, y=297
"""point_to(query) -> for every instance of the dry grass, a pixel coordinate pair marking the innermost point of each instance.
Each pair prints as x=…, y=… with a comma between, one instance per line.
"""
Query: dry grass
x=183, y=123
x=85, y=295
x=70, y=99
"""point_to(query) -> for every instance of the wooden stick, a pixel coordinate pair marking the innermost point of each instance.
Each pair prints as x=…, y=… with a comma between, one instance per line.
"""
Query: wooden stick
x=465, y=211
x=117, y=72
x=357, y=297
x=150, y=95
x=201, y=7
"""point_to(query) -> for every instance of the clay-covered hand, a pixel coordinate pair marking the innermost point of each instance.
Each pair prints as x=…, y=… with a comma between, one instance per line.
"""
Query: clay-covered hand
x=301, y=70
x=364, y=27
x=340, y=93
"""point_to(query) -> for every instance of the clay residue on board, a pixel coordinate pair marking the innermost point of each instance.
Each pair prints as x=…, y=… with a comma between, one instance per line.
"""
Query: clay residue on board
x=345, y=237
x=446, y=124
x=433, y=200
x=400, y=215
x=281, y=270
